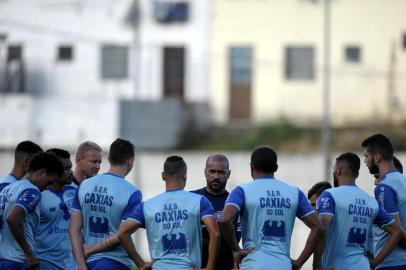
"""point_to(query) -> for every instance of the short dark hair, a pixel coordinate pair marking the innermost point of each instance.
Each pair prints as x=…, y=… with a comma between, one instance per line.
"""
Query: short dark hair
x=120, y=151
x=48, y=161
x=59, y=153
x=352, y=162
x=398, y=164
x=264, y=159
x=318, y=188
x=174, y=165
x=26, y=148
x=379, y=144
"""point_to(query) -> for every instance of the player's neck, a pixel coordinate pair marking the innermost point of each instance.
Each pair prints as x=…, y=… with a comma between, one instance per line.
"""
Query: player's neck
x=118, y=170
x=56, y=187
x=171, y=185
x=259, y=175
x=385, y=167
x=346, y=181
x=79, y=176
x=18, y=172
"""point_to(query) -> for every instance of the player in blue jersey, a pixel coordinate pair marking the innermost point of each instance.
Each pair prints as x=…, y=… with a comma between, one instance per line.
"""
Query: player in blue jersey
x=88, y=160
x=172, y=220
x=348, y=212
x=100, y=205
x=19, y=212
x=217, y=173
x=22, y=157
x=313, y=194
x=390, y=193
x=53, y=246
x=268, y=208
x=315, y=191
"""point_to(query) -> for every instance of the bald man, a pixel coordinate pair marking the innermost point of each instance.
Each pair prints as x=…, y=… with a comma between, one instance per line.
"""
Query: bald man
x=217, y=173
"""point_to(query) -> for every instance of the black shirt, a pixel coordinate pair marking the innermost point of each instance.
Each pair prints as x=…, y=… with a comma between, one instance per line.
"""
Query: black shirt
x=225, y=258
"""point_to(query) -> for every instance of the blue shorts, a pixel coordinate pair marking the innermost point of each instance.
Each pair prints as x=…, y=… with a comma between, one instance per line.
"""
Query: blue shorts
x=398, y=267
x=104, y=263
x=45, y=265
x=12, y=265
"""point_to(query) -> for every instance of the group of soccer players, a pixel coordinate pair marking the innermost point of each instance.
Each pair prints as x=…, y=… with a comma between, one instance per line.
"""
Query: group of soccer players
x=54, y=218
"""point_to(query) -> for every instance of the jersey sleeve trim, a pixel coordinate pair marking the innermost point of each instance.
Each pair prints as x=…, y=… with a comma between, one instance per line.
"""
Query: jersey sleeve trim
x=233, y=204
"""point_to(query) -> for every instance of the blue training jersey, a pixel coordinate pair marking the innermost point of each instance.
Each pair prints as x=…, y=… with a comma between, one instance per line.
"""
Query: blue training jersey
x=7, y=180
x=104, y=201
x=391, y=196
x=173, y=223
x=268, y=208
x=53, y=243
x=354, y=212
x=23, y=194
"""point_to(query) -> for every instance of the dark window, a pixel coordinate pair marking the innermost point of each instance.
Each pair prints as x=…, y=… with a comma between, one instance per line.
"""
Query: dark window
x=114, y=62
x=299, y=63
x=171, y=12
x=241, y=68
x=174, y=71
x=240, y=59
x=14, y=53
x=65, y=53
x=14, y=70
x=353, y=54
x=404, y=41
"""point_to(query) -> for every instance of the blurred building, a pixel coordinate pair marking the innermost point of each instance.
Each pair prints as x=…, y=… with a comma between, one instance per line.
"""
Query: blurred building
x=267, y=60
x=74, y=70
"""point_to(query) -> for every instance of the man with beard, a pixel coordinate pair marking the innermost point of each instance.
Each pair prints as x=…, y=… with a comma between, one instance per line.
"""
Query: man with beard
x=217, y=173
x=390, y=193
x=54, y=250
x=347, y=213
x=88, y=160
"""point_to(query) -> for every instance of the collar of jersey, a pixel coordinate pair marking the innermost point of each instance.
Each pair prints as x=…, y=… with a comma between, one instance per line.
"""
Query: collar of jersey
x=350, y=185
x=391, y=171
x=116, y=175
x=176, y=189
x=265, y=178
x=15, y=177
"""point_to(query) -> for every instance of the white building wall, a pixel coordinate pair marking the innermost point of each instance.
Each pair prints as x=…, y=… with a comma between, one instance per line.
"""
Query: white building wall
x=359, y=92
x=193, y=35
x=67, y=102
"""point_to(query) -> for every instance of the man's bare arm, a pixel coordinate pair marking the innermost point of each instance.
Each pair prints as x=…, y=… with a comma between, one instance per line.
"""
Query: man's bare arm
x=395, y=233
x=15, y=221
x=402, y=242
x=127, y=228
x=214, y=235
x=75, y=234
x=316, y=231
x=318, y=253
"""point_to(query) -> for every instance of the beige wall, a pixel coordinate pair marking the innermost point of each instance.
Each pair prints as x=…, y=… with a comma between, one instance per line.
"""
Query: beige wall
x=358, y=91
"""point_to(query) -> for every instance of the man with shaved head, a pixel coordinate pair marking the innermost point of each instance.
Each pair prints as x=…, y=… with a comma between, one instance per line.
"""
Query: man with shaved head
x=217, y=173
